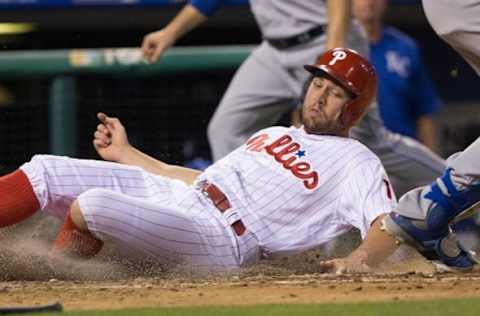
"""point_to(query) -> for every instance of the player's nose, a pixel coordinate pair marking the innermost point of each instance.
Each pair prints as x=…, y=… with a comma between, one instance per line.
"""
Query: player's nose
x=321, y=99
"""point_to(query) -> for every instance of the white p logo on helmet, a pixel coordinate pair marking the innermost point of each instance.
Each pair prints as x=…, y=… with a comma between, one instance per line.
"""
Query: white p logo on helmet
x=337, y=55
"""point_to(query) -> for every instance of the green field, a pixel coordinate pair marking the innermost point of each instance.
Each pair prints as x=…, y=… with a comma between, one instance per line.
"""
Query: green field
x=451, y=307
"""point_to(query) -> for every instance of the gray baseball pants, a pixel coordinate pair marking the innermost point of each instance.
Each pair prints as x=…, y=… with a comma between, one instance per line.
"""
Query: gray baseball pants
x=466, y=171
x=457, y=22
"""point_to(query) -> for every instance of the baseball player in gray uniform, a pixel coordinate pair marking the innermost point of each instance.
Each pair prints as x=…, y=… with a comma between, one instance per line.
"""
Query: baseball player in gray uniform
x=271, y=79
x=284, y=191
x=456, y=22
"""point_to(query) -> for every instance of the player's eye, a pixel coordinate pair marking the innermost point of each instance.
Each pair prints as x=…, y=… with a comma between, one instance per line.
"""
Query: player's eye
x=337, y=94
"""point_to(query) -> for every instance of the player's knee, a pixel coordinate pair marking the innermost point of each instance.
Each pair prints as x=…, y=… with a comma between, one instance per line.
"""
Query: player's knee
x=91, y=203
x=42, y=163
x=40, y=159
x=77, y=216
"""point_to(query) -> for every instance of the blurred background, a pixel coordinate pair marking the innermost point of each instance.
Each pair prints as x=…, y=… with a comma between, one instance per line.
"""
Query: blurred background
x=64, y=60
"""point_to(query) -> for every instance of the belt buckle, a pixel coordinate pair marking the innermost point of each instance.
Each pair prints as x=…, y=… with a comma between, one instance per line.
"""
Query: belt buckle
x=205, y=194
x=203, y=189
x=282, y=44
x=305, y=37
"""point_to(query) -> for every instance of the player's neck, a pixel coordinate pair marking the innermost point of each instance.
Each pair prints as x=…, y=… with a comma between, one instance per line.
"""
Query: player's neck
x=343, y=133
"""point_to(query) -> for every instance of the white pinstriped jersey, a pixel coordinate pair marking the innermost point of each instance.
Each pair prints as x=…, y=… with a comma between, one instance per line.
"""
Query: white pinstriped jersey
x=296, y=190
x=292, y=190
x=284, y=18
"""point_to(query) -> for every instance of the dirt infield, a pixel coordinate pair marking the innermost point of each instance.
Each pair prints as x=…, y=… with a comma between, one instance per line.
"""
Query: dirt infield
x=28, y=277
x=112, y=285
x=153, y=292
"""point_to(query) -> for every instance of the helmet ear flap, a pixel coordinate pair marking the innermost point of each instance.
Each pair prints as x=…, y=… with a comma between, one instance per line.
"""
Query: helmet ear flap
x=350, y=114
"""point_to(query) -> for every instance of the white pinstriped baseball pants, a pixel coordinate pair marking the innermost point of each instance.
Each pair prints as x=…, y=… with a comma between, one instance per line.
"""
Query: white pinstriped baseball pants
x=160, y=216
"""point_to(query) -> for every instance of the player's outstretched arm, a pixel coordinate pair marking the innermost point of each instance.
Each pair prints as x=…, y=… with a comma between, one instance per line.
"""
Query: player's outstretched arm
x=156, y=43
x=111, y=143
x=376, y=248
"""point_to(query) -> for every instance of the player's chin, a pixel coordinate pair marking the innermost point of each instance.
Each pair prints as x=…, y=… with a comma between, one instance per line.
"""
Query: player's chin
x=312, y=121
x=314, y=125
x=322, y=128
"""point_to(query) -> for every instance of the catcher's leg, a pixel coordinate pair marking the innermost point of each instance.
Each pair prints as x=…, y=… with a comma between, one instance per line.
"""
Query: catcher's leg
x=466, y=44
x=426, y=217
x=444, y=248
x=448, y=202
x=460, y=29
x=456, y=194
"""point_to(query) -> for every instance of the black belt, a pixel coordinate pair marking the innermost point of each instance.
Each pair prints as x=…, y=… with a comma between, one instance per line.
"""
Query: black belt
x=222, y=204
x=305, y=37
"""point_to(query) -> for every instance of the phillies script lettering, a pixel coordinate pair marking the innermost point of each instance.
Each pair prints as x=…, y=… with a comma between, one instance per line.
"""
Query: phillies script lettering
x=283, y=151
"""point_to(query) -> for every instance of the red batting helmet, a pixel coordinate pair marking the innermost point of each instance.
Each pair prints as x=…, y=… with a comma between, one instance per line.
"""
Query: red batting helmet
x=353, y=72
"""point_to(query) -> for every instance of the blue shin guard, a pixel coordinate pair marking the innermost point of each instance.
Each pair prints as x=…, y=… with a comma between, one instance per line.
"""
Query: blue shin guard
x=444, y=248
x=447, y=207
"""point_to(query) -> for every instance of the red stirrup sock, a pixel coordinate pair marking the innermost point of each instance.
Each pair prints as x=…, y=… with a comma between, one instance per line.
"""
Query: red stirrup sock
x=17, y=199
x=75, y=243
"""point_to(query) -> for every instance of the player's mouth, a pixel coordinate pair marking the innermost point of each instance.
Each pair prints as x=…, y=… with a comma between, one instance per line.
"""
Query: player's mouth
x=315, y=112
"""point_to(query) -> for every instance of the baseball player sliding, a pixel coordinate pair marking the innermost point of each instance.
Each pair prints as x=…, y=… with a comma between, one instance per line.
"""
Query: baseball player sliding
x=284, y=191
x=272, y=79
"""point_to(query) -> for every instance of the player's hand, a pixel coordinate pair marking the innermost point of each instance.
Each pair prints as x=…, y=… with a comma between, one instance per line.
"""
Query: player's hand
x=110, y=139
x=156, y=43
x=344, y=265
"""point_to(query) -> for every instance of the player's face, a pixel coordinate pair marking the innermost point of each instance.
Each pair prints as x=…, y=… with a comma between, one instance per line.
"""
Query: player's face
x=369, y=11
x=323, y=107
